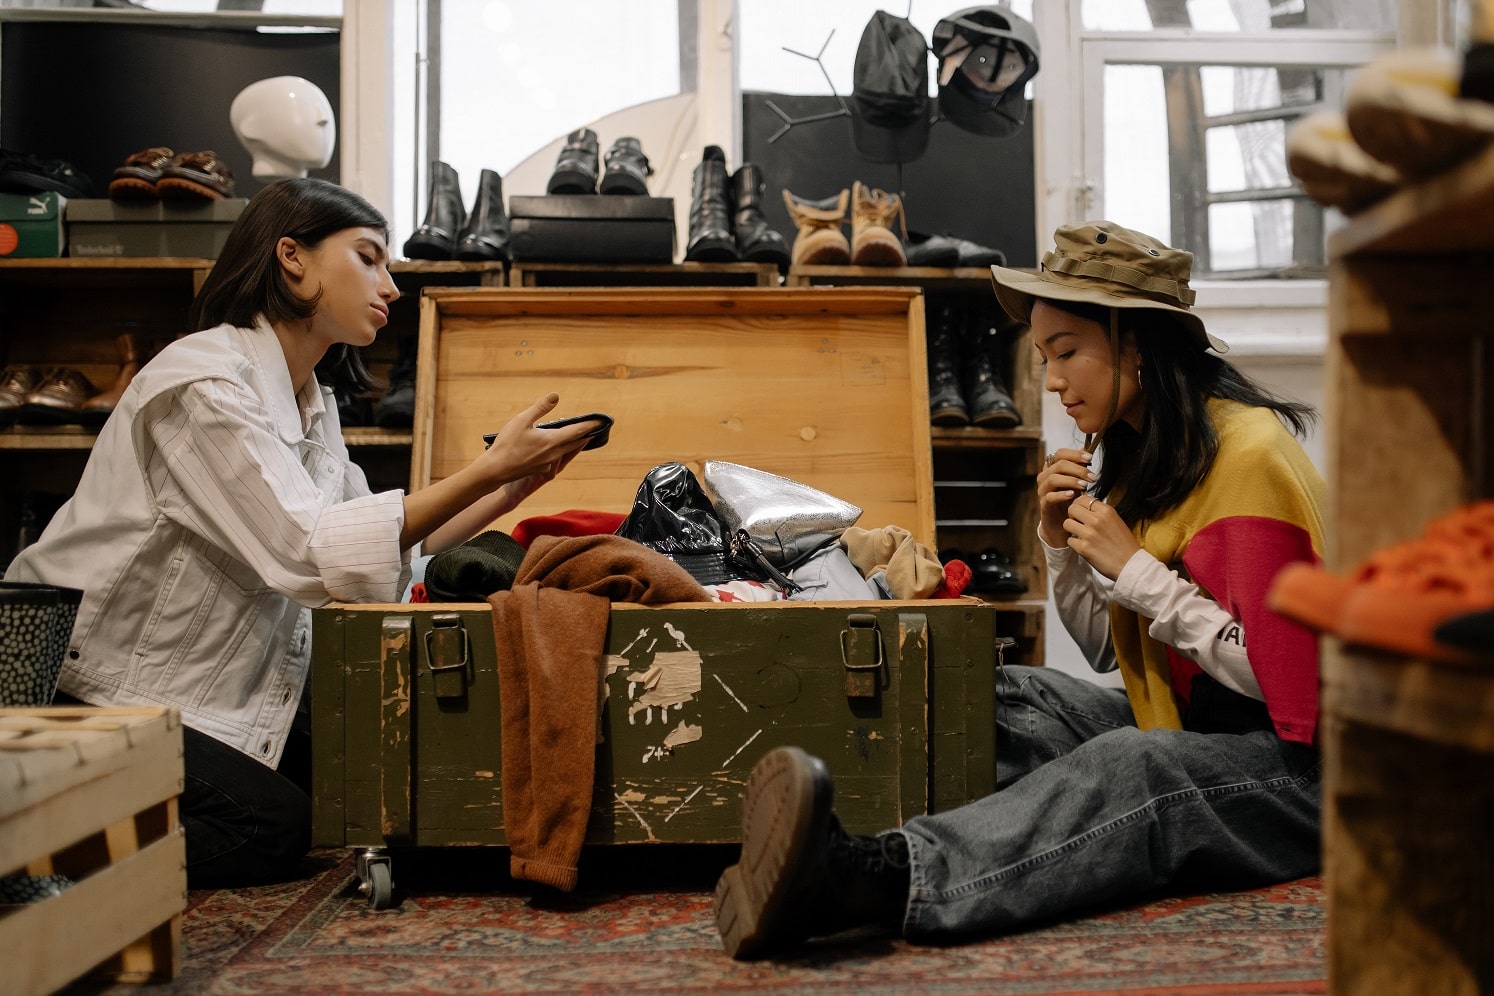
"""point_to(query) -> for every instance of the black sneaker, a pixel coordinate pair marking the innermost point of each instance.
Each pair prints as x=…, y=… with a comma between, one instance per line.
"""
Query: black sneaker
x=800, y=875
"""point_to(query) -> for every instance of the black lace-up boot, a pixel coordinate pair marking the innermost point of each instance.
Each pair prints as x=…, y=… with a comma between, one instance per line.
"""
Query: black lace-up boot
x=436, y=238
x=755, y=240
x=946, y=403
x=711, y=240
x=986, y=396
x=801, y=874
x=627, y=169
x=576, y=166
x=485, y=236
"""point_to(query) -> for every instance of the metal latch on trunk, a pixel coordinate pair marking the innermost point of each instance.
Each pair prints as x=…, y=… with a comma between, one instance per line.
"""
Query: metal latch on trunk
x=861, y=652
x=449, y=654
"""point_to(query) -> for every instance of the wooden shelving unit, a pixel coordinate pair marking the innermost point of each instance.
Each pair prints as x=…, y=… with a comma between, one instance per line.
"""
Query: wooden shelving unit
x=1408, y=744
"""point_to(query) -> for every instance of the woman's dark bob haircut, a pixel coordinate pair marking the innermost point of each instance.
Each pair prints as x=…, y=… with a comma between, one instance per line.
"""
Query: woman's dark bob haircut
x=246, y=281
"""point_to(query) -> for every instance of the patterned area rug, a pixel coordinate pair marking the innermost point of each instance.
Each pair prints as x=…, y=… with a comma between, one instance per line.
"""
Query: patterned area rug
x=641, y=921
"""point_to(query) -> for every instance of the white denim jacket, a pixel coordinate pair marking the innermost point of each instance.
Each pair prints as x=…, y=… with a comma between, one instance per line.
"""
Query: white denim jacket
x=216, y=508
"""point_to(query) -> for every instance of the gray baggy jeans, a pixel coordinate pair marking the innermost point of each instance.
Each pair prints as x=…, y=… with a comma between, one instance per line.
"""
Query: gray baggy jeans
x=1091, y=811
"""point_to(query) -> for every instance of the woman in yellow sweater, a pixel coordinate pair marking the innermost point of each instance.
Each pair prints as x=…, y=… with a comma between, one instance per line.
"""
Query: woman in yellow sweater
x=1203, y=772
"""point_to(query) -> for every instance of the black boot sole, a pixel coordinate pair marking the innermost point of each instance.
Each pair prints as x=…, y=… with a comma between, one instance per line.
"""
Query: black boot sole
x=622, y=184
x=569, y=181
x=424, y=245
x=785, y=822
x=723, y=250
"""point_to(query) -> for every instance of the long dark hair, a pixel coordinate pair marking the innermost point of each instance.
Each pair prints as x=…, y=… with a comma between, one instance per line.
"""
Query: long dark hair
x=1156, y=468
x=246, y=281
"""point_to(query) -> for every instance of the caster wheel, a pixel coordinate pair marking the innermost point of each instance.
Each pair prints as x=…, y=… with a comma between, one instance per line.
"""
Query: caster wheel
x=380, y=885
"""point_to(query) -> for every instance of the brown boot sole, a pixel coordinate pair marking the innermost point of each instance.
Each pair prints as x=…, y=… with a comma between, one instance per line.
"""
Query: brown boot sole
x=785, y=820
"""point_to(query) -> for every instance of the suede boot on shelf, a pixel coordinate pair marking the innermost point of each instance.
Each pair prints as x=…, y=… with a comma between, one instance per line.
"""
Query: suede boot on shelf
x=485, y=236
x=872, y=240
x=445, y=215
x=95, y=411
x=986, y=396
x=756, y=242
x=627, y=169
x=576, y=166
x=396, y=409
x=800, y=874
x=945, y=324
x=711, y=240
x=819, y=240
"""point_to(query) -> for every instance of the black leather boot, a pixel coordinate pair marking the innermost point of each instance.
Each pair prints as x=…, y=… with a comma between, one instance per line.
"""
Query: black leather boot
x=755, y=240
x=576, y=166
x=800, y=874
x=485, y=236
x=627, y=169
x=396, y=409
x=711, y=240
x=946, y=403
x=986, y=395
x=436, y=238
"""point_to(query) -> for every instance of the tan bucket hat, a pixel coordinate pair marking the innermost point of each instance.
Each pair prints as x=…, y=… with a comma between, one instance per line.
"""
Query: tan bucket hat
x=1100, y=262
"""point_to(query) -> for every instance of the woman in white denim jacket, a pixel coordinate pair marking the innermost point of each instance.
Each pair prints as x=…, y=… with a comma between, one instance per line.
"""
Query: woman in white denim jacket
x=219, y=505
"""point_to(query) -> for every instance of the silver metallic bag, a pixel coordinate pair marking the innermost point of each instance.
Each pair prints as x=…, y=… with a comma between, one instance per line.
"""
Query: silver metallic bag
x=785, y=519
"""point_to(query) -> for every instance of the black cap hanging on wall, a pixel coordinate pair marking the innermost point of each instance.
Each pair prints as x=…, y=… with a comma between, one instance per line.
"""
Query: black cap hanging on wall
x=986, y=56
x=890, y=113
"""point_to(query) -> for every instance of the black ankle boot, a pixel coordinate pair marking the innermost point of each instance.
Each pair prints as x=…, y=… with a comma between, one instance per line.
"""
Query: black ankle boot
x=396, y=409
x=436, y=238
x=485, y=236
x=711, y=240
x=755, y=240
x=576, y=166
x=627, y=169
x=800, y=874
x=986, y=395
x=946, y=403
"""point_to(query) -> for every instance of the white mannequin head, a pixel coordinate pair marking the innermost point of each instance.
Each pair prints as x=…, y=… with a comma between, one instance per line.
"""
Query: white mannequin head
x=286, y=123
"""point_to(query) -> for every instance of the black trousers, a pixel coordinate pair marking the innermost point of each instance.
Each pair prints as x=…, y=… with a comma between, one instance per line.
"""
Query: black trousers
x=246, y=824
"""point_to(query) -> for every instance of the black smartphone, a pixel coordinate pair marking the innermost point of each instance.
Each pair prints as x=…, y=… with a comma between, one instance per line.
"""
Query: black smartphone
x=595, y=439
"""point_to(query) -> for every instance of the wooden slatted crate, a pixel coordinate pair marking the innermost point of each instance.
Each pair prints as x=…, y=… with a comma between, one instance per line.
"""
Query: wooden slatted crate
x=91, y=794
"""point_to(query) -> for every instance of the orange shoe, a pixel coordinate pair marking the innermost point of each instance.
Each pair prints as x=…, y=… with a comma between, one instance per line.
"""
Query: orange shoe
x=1399, y=596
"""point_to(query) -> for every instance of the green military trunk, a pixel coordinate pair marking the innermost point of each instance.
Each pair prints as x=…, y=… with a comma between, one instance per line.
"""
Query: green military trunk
x=897, y=697
x=824, y=386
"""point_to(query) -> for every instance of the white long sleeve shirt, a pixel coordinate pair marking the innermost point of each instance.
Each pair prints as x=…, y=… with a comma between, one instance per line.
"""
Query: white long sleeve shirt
x=217, y=507
x=1183, y=617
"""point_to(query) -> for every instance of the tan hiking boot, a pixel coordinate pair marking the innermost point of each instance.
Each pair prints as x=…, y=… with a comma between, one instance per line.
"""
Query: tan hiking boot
x=872, y=240
x=820, y=241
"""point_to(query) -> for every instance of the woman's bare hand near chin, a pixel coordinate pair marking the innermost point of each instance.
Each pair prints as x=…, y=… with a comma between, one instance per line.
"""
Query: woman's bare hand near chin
x=1099, y=535
x=1065, y=475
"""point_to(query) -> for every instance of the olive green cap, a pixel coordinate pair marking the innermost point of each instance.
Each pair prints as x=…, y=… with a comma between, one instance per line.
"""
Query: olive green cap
x=1100, y=262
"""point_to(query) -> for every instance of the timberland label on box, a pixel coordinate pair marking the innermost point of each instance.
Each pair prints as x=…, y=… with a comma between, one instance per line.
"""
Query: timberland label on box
x=98, y=227
x=31, y=225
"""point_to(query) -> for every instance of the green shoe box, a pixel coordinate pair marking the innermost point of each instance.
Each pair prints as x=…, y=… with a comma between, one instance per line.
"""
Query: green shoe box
x=100, y=227
x=31, y=225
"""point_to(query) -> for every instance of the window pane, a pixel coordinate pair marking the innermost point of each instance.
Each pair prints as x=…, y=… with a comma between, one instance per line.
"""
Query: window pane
x=514, y=76
x=1196, y=155
x=1239, y=15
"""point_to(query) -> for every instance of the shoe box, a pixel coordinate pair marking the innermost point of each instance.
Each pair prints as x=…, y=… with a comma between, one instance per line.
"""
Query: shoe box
x=592, y=228
x=823, y=385
x=31, y=225
x=98, y=227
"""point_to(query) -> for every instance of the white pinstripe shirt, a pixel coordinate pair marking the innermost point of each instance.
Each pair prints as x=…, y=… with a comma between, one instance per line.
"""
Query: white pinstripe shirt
x=216, y=508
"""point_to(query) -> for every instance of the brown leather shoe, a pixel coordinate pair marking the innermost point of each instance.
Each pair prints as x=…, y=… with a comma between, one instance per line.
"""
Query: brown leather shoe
x=15, y=383
x=97, y=408
x=58, y=397
x=135, y=180
x=196, y=175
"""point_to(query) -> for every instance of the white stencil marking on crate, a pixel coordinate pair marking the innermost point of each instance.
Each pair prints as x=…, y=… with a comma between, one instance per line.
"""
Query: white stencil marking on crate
x=683, y=803
x=730, y=692
x=641, y=821
x=727, y=763
x=673, y=679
